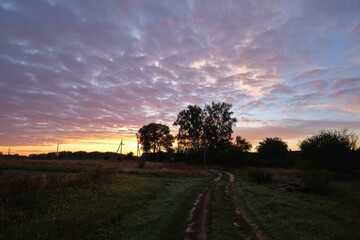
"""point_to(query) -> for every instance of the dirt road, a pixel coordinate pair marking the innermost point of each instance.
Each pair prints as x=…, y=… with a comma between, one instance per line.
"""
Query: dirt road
x=200, y=217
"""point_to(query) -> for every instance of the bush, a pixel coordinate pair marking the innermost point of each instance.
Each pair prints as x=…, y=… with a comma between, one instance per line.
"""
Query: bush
x=273, y=151
x=317, y=181
x=331, y=150
x=258, y=176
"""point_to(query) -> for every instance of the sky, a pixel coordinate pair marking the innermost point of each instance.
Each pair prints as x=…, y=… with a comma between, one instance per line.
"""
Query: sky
x=87, y=74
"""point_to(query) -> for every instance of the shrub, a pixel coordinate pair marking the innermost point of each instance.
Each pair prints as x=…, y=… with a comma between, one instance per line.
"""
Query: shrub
x=273, y=151
x=258, y=176
x=331, y=150
x=317, y=181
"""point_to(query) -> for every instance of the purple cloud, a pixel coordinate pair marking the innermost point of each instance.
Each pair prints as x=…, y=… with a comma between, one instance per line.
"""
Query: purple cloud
x=101, y=70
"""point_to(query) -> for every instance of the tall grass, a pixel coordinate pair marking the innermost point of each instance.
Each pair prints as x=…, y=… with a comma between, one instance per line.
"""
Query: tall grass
x=73, y=166
x=17, y=184
x=95, y=205
x=298, y=215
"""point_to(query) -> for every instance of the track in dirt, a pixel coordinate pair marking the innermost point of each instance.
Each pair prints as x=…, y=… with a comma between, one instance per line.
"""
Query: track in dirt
x=199, y=215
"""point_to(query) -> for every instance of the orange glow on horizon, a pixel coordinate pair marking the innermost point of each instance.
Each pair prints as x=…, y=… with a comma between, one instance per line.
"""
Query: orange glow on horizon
x=88, y=145
x=104, y=145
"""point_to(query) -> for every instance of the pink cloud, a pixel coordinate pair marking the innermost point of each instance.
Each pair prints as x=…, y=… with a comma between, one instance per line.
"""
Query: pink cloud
x=346, y=93
x=72, y=71
x=347, y=82
x=357, y=100
x=311, y=74
x=317, y=85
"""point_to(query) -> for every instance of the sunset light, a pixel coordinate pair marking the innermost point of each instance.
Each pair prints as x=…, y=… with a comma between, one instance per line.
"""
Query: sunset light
x=87, y=76
x=179, y=119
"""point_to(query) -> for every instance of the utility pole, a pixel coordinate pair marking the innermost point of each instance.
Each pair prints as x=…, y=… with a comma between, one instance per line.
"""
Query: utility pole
x=120, y=147
x=57, y=150
x=204, y=154
x=138, y=149
x=9, y=150
x=204, y=145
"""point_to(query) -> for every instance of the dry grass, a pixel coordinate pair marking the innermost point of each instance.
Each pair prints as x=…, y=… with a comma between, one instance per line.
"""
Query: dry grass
x=109, y=166
x=79, y=165
x=14, y=184
x=26, y=176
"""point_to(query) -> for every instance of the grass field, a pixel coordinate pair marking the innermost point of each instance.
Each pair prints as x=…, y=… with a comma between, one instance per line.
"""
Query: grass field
x=298, y=215
x=118, y=200
x=95, y=204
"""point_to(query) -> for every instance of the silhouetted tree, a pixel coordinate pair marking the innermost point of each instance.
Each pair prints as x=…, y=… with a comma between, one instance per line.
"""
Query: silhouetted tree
x=332, y=150
x=242, y=144
x=211, y=126
x=191, y=124
x=273, y=149
x=155, y=137
x=218, y=125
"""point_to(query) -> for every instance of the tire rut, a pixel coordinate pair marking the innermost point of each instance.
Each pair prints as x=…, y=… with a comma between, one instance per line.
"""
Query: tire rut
x=247, y=228
x=198, y=221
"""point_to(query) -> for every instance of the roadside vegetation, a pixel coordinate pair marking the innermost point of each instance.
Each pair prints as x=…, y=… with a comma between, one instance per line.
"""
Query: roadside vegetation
x=292, y=214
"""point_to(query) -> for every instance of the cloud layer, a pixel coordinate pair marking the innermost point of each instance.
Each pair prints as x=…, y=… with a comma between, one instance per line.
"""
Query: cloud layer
x=71, y=71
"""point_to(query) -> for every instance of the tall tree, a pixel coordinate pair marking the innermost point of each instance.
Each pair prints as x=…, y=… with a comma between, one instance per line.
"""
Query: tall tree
x=190, y=122
x=272, y=149
x=211, y=126
x=155, y=137
x=242, y=144
x=218, y=125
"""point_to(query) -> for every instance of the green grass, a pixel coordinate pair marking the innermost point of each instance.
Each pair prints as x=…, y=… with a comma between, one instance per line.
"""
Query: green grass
x=222, y=215
x=287, y=215
x=125, y=207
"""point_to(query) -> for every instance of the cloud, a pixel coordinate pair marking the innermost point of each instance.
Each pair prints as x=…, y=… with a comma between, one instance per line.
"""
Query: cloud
x=104, y=69
x=311, y=74
x=316, y=85
x=290, y=130
x=346, y=82
x=280, y=89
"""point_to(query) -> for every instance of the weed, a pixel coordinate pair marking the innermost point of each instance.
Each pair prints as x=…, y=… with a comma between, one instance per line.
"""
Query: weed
x=296, y=215
x=258, y=176
x=317, y=181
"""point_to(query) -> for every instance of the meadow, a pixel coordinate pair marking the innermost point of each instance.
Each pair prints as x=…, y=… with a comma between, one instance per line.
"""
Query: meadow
x=98, y=199
x=91, y=200
x=303, y=215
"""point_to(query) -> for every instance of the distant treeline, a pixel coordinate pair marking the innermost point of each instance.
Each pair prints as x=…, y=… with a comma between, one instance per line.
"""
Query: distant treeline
x=67, y=155
x=232, y=156
x=235, y=157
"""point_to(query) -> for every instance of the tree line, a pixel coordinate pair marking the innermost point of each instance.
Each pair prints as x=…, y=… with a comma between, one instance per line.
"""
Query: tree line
x=209, y=127
x=67, y=155
x=204, y=132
